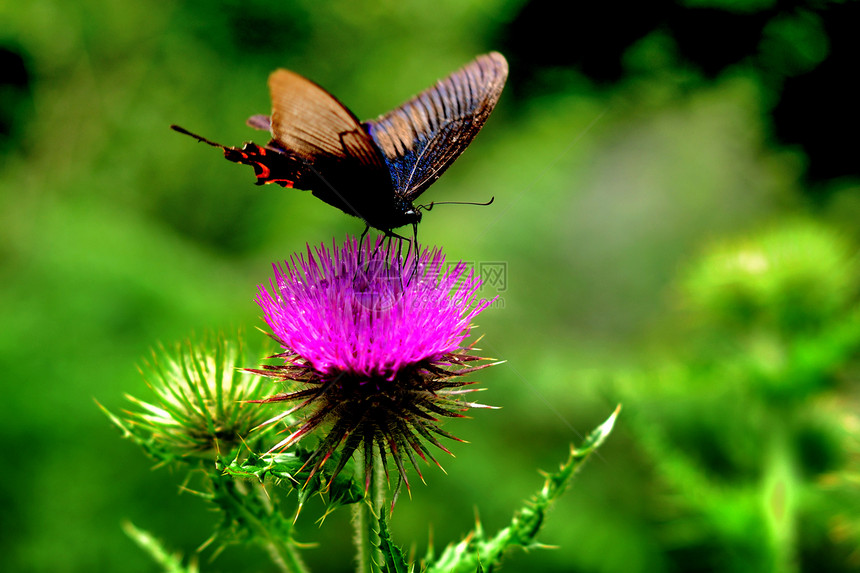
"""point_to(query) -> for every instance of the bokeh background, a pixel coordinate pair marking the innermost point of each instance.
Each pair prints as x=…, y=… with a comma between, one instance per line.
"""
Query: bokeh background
x=676, y=202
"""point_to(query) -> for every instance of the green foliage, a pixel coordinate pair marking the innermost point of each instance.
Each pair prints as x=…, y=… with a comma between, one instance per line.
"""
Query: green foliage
x=477, y=550
x=794, y=43
x=290, y=470
x=783, y=305
x=393, y=559
x=743, y=421
x=170, y=563
x=792, y=279
x=250, y=514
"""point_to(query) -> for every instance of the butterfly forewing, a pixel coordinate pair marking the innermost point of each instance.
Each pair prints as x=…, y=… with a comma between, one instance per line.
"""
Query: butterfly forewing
x=421, y=138
x=346, y=168
x=308, y=120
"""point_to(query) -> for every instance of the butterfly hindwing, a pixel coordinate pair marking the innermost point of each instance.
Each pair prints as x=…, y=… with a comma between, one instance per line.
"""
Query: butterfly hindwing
x=422, y=137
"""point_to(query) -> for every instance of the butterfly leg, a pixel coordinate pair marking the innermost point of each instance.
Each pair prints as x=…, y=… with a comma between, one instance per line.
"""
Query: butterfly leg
x=399, y=260
x=414, y=245
x=361, y=243
x=412, y=251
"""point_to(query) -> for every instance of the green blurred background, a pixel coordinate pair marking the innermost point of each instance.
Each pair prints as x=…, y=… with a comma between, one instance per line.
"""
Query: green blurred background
x=676, y=191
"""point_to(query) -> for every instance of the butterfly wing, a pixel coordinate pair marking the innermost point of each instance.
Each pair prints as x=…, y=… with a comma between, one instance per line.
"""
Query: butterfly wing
x=421, y=138
x=310, y=122
x=317, y=145
x=339, y=161
x=261, y=122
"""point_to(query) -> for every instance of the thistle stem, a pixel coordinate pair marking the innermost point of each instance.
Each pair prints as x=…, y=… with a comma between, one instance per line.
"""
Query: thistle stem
x=365, y=519
x=282, y=551
x=255, y=512
x=780, y=499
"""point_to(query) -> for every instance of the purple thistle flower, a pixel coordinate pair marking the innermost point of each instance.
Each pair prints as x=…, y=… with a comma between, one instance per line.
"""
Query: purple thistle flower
x=377, y=345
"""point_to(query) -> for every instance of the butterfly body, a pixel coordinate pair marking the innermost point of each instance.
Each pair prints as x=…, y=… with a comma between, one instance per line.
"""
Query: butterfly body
x=375, y=169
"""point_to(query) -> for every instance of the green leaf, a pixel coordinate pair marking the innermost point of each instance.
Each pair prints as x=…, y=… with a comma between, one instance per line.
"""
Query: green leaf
x=394, y=561
x=170, y=563
x=289, y=470
x=477, y=550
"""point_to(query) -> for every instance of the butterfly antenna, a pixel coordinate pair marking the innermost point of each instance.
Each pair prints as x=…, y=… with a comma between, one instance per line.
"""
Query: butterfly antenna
x=432, y=204
x=199, y=138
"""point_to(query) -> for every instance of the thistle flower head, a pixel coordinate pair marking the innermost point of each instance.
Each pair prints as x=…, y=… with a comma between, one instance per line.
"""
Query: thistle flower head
x=376, y=344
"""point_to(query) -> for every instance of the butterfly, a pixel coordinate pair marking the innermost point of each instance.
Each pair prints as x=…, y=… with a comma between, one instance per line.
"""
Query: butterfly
x=376, y=169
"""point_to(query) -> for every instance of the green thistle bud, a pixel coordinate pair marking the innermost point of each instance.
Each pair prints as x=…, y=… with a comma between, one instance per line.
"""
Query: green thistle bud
x=200, y=408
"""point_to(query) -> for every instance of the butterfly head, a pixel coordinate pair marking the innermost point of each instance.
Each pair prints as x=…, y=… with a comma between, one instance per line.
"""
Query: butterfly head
x=404, y=213
x=412, y=215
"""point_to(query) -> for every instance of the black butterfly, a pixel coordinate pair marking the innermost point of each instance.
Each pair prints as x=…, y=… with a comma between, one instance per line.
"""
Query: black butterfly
x=375, y=169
